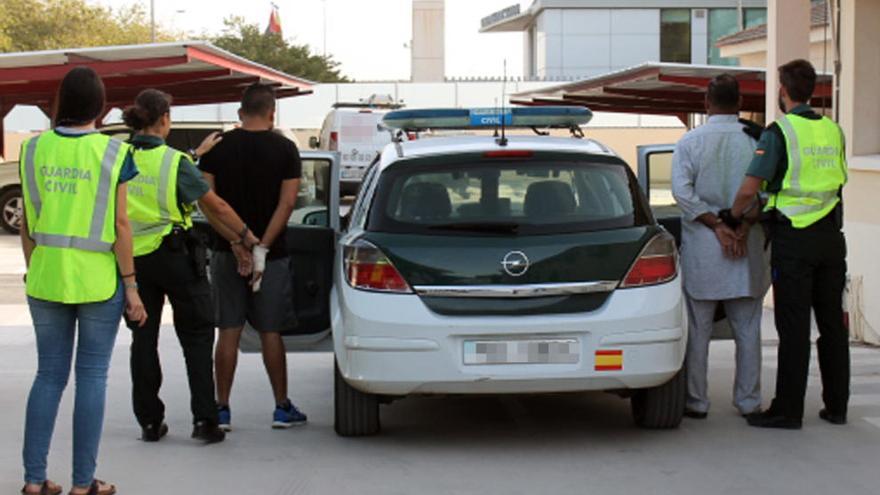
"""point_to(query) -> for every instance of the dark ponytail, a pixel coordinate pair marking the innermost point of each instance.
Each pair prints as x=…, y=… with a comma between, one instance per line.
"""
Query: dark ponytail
x=81, y=98
x=149, y=106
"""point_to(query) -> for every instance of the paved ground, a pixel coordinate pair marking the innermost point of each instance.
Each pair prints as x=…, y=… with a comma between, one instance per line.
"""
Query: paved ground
x=582, y=443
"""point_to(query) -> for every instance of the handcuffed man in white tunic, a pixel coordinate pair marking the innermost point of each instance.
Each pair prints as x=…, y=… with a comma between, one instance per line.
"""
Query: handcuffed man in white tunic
x=719, y=266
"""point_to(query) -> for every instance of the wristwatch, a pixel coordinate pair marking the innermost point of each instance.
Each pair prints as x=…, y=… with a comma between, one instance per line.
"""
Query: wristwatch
x=192, y=154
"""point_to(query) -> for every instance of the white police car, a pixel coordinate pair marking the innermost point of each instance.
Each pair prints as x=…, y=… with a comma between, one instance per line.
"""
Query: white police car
x=510, y=264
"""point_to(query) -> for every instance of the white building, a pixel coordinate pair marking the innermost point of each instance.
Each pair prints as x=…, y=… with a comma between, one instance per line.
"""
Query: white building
x=570, y=39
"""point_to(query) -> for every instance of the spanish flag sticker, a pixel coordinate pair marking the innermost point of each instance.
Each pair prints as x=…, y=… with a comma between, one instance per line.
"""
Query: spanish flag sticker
x=609, y=360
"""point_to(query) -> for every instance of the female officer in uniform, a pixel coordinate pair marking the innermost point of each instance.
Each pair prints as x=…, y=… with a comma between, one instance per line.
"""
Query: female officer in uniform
x=75, y=235
x=170, y=261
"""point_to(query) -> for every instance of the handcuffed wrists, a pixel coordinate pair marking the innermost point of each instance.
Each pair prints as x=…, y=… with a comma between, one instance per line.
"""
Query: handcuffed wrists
x=726, y=216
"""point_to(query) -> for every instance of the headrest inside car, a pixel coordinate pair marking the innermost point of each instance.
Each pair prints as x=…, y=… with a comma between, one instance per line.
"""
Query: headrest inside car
x=425, y=201
x=548, y=199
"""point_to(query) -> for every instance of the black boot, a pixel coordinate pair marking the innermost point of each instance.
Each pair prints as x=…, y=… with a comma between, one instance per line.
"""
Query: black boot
x=154, y=432
x=835, y=419
x=208, y=432
x=771, y=419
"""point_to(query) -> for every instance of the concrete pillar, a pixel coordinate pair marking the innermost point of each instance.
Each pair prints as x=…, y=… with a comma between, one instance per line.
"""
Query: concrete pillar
x=788, y=38
x=428, y=39
x=860, y=71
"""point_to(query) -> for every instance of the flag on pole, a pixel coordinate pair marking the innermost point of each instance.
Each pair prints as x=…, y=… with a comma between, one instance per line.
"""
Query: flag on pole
x=274, y=21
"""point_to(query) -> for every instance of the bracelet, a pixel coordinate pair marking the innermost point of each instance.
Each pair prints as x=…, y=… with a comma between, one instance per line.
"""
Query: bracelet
x=131, y=285
x=132, y=274
x=244, y=232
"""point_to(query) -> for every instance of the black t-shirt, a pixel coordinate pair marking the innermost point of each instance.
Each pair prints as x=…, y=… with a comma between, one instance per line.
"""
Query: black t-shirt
x=248, y=169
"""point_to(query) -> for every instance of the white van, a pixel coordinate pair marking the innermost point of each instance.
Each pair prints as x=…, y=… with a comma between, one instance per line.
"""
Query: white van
x=353, y=129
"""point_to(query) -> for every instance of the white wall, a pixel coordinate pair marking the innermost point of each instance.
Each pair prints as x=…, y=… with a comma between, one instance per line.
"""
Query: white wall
x=699, y=36
x=575, y=43
x=308, y=112
x=635, y=37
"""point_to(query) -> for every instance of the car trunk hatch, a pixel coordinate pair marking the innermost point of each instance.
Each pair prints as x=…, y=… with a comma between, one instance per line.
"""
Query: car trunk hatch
x=511, y=274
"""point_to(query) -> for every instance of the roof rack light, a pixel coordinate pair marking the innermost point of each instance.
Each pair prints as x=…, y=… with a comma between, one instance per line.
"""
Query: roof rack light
x=561, y=117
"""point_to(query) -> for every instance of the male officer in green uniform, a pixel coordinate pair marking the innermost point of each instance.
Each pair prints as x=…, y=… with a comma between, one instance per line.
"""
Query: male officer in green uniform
x=801, y=159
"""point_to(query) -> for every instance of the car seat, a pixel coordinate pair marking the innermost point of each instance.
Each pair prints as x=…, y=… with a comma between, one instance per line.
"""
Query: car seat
x=549, y=199
x=425, y=201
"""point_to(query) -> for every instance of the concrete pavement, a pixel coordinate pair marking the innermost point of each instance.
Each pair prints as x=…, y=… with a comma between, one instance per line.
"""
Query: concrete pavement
x=575, y=443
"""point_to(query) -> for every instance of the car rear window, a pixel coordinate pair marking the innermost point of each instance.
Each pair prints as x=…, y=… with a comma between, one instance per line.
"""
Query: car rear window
x=539, y=195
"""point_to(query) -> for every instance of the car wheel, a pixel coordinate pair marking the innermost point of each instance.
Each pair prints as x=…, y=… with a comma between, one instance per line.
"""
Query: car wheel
x=357, y=413
x=11, y=210
x=661, y=407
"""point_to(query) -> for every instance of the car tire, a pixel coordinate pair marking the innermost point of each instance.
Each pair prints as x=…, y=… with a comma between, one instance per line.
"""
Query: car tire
x=357, y=413
x=661, y=407
x=11, y=210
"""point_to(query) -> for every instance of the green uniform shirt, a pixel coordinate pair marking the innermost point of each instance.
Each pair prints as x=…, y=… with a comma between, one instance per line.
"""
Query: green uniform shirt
x=190, y=184
x=770, y=161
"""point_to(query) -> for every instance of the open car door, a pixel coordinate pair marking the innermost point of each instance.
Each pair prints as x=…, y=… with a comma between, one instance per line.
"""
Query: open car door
x=655, y=179
x=311, y=240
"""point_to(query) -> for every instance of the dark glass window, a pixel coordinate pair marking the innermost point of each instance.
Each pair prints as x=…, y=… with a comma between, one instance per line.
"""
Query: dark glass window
x=721, y=23
x=754, y=17
x=675, y=35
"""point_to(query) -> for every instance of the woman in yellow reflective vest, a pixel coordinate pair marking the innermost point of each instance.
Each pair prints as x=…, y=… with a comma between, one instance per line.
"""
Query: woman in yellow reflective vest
x=77, y=245
x=170, y=263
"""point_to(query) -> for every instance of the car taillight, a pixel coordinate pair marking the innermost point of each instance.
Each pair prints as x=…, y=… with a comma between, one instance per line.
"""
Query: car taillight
x=367, y=268
x=334, y=141
x=656, y=264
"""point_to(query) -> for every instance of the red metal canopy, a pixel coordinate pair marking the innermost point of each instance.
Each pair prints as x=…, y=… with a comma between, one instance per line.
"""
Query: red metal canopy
x=661, y=88
x=193, y=72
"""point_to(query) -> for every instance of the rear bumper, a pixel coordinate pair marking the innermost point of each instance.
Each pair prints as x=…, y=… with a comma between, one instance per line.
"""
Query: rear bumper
x=393, y=345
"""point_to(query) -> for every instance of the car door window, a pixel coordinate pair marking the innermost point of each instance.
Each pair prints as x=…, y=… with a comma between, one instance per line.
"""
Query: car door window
x=313, y=199
x=360, y=206
x=659, y=169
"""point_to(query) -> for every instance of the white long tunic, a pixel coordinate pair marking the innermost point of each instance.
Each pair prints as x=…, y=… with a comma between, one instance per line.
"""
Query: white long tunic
x=708, y=167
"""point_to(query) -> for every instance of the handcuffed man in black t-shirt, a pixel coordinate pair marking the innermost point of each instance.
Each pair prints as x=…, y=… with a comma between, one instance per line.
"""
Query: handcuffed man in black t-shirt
x=257, y=172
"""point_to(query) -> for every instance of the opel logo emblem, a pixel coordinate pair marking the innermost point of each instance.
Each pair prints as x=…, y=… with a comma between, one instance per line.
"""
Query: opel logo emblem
x=515, y=263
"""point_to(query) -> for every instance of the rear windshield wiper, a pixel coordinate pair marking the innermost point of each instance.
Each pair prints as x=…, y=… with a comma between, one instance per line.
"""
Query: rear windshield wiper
x=489, y=227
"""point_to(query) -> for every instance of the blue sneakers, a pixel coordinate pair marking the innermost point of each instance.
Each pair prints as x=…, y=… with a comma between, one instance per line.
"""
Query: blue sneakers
x=224, y=418
x=287, y=415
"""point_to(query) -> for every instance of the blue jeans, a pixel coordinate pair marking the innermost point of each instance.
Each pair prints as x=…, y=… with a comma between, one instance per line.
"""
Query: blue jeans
x=55, y=325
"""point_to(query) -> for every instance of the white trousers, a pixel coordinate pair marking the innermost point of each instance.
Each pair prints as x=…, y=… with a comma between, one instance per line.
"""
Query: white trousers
x=744, y=315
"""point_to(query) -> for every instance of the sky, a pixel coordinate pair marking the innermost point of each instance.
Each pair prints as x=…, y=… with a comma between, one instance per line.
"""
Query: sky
x=368, y=37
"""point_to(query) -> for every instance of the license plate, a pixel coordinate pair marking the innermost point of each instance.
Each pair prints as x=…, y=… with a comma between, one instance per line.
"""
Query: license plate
x=545, y=351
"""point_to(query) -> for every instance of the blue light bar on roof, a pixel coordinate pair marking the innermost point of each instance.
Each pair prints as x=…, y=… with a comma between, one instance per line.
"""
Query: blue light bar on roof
x=488, y=118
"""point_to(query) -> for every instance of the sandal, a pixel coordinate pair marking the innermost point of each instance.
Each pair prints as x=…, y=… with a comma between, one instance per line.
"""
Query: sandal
x=47, y=488
x=98, y=487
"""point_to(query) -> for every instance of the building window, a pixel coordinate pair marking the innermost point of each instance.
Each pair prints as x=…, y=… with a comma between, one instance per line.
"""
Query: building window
x=754, y=17
x=675, y=35
x=721, y=23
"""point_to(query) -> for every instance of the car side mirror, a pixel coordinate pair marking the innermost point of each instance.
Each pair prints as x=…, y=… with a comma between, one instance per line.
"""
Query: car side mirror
x=314, y=142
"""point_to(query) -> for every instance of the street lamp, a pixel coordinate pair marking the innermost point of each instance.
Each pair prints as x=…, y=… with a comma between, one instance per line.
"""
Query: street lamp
x=325, y=27
x=152, y=21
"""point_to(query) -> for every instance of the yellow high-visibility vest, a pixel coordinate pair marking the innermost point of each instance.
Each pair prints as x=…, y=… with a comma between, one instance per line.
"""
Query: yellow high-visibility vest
x=816, y=169
x=152, y=198
x=69, y=189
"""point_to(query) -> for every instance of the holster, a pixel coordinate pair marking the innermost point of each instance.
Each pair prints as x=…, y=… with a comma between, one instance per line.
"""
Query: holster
x=198, y=253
